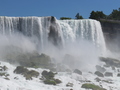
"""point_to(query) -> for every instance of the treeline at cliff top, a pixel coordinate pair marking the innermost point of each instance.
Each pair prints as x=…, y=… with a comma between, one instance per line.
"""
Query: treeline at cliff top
x=114, y=15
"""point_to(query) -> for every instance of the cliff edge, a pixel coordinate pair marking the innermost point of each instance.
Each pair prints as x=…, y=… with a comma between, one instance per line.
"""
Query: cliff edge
x=111, y=30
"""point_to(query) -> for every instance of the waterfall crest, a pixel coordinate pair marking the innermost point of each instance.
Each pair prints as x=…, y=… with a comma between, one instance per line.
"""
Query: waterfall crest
x=49, y=29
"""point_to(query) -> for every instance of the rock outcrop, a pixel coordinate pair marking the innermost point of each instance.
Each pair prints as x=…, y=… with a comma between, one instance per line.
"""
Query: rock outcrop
x=111, y=30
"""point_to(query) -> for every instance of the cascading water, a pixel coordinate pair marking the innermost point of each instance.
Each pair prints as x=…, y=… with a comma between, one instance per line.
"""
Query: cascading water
x=59, y=32
x=36, y=28
x=86, y=29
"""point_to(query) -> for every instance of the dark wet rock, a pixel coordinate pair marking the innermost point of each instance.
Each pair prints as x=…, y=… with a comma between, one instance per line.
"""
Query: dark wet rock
x=50, y=82
x=53, y=19
x=42, y=61
x=118, y=70
x=90, y=72
x=91, y=86
x=28, y=74
x=111, y=61
x=33, y=59
x=87, y=81
x=2, y=74
x=48, y=75
x=57, y=81
x=3, y=68
x=20, y=70
x=99, y=74
x=6, y=75
x=106, y=66
x=28, y=77
x=7, y=78
x=33, y=73
x=118, y=75
x=108, y=74
x=98, y=79
x=48, y=78
x=78, y=71
x=53, y=35
x=113, y=68
x=69, y=84
x=44, y=73
x=111, y=30
x=16, y=78
x=100, y=69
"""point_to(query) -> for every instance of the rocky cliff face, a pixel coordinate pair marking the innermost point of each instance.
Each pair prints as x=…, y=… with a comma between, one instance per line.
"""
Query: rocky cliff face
x=111, y=30
x=110, y=26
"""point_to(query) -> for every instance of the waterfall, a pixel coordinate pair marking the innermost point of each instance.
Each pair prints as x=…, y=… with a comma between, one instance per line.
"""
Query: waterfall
x=45, y=30
x=36, y=28
x=85, y=29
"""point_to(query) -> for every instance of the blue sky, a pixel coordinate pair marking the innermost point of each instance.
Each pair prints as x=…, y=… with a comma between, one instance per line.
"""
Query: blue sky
x=57, y=8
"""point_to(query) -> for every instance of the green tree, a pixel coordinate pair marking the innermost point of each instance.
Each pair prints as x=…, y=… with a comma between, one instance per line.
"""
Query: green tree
x=119, y=9
x=78, y=16
x=65, y=18
x=97, y=15
x=115, y=15
x=93, y=15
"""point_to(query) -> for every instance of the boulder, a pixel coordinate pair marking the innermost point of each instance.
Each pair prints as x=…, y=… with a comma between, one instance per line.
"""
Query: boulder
x=98, y=79
x=50, y=82
x=100, y=69
x=91, y=86
x=118, y=70
x=69, y=84
x=48, y=75
x=28, y=74
x=4, y=74
x=3, y=68
x=33, y=73
x=48, y=78
x=7, y=78
x=110, y=61
x=31, y=59
x=20, y=70
x=78, y=71
x=57, y=81
x=39, y=61
x=108, y=74
x=118, y=75
x=113, y=68
x=99, y=74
